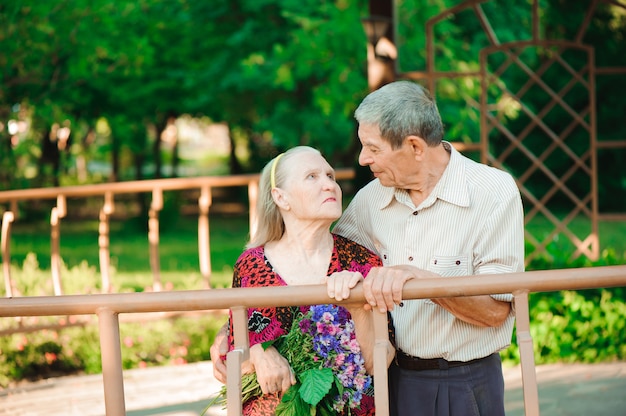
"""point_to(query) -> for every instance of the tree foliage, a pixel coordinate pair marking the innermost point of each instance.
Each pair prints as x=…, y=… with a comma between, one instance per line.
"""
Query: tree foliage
x=277, y=72
x=280, y=73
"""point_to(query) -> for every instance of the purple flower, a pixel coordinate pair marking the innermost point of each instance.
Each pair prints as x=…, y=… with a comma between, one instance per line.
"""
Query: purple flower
x=333, y=346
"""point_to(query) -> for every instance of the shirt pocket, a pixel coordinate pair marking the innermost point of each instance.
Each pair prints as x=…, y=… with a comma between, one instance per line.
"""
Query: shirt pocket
x=449, y=266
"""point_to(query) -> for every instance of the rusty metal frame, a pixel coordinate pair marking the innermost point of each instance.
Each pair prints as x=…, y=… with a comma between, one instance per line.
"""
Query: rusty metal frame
x=586, y=162
x=588, y=204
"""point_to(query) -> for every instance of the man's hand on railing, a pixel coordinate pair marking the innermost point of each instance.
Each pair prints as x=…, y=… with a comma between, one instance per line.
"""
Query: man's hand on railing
x=218, y=352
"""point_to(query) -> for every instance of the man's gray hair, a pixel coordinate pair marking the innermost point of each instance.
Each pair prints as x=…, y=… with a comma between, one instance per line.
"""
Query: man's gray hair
x=401, y=109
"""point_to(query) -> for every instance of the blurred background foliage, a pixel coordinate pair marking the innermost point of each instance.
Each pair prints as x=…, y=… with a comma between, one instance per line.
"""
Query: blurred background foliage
x=99, y=90
x=96, y=90
x=88, y=82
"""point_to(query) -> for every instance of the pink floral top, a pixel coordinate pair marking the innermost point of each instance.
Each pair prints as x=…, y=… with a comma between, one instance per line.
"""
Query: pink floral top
x=252, y=269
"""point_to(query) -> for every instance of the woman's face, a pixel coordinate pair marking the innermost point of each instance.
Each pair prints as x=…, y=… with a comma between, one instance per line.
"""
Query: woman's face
x=310, y=189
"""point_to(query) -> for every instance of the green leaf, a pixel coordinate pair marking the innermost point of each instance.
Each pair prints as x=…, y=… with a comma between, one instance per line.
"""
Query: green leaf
x=292, y=404
x=269, y=343
x=316, y=384
x=339, y=386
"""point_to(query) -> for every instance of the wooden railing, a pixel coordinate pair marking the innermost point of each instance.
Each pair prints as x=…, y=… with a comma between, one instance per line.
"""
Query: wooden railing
x=107, y=307
x=108, y=192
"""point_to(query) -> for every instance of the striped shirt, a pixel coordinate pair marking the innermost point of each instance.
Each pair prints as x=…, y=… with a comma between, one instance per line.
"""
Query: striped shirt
x=472, y=223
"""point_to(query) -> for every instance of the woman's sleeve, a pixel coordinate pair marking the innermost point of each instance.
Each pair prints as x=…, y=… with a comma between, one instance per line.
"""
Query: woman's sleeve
x=363, y=259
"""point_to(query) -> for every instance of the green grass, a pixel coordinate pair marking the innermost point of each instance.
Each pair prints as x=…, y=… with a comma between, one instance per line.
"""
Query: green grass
x=610, y=233
x=129, y=249
x=560, y=248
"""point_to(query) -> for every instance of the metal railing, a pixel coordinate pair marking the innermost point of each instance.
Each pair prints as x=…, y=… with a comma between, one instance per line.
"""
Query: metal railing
x=108, y=192
x=107, y=307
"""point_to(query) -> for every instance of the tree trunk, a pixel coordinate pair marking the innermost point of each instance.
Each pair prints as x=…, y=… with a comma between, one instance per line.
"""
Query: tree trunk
x=7, y=162
x=233, y=163
x=115, y=159
x=49, y=161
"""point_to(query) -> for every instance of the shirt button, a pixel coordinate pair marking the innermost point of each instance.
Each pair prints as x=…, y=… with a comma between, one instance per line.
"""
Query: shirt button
x=458, y=262
x=414, y=212
x=385, y=256
x=410, y=258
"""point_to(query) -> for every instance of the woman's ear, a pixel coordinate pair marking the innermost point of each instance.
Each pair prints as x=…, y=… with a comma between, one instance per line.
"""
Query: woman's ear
x=280, y=199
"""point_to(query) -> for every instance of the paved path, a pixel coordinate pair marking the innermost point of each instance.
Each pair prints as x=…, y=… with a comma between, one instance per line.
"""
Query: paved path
x=564, y=390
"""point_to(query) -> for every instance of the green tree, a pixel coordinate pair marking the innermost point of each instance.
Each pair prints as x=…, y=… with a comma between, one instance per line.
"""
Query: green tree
x=279, y=73
x=295, y=72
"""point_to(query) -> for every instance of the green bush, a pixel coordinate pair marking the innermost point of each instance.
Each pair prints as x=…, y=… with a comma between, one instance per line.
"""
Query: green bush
x=69, y=345
x=76, y=349
x=576, y=326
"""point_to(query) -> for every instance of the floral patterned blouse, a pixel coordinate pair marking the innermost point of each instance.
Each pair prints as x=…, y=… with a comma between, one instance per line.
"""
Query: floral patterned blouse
x=253, y=269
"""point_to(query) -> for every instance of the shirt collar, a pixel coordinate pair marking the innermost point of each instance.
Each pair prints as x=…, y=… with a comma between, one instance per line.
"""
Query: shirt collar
x=452, y=186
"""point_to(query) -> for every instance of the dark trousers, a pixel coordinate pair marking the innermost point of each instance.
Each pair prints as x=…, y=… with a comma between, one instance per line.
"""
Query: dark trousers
x=475, y=389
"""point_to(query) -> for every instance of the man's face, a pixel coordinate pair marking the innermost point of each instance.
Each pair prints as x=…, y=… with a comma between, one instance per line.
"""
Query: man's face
x=391, y=167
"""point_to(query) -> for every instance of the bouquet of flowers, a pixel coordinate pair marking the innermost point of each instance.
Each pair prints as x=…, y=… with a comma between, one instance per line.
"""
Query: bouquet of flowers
x=322, y=350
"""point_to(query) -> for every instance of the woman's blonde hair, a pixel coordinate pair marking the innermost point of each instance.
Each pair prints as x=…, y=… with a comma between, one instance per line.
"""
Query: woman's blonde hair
x=269, y=222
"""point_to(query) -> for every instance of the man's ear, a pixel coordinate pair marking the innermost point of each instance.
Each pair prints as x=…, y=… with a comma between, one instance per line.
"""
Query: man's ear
x=280, y=199
x=417, y=145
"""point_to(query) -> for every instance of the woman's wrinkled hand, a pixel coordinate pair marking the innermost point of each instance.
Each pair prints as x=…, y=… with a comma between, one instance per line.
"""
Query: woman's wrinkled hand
x=218, y=350
x=339, y=284
x=272, y=370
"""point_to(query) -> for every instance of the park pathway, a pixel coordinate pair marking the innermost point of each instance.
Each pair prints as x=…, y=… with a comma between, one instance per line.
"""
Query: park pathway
x=564, y=390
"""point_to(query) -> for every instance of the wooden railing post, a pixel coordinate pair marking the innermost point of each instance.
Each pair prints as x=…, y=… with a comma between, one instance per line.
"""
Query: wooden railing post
x=104, y=241
x=253, y=194
x=153, y=237
x=204, y=244
x=381, y=336
x=111, y=355
x=235, y=359
x=58, y=212
x=7, y=220
x=527, y=355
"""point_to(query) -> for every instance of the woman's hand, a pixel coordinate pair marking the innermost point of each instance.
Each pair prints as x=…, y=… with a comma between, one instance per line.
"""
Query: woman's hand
x=272, y=370
x=339, y=284
x=219, y=349
x=338, y=287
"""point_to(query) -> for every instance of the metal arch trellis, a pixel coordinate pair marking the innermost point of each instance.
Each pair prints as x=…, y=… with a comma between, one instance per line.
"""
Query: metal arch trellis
x=558, y=182
x=577, y=142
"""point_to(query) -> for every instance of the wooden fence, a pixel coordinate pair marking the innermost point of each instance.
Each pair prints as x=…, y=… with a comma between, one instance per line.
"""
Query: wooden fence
x=107, y=192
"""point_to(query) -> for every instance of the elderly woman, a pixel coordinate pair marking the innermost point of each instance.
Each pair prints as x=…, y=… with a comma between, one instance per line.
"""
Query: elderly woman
x=299, y=199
